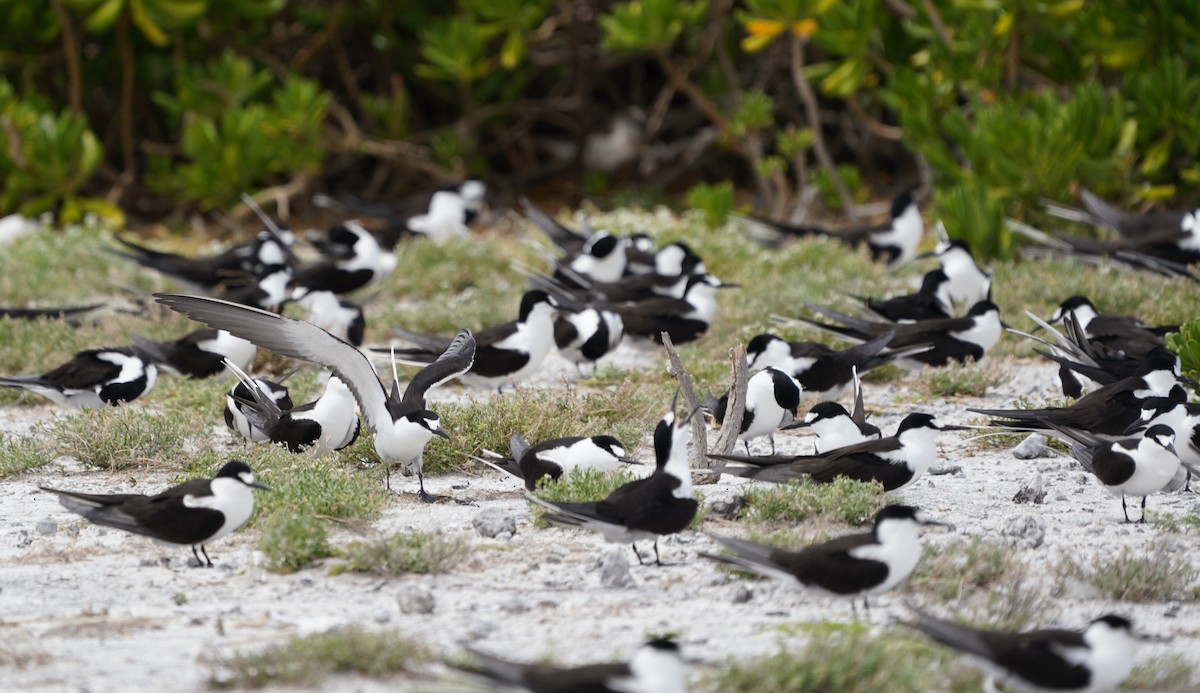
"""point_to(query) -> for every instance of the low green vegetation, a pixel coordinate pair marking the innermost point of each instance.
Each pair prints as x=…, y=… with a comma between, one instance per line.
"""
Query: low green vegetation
x=402, y=553
x=20, y=454
x=1155, y=573
x=124, y=437
x=293, y=542
x=844, y=500
x=971, y=379
x=951, y=571
x=850, y=659
x=307, y=661
x=1169, y=674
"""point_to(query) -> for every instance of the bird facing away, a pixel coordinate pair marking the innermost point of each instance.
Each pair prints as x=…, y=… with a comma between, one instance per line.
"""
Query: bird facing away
x=557, y=456
x=318, y=428
x=1095, y=660
x=400, y=423
x=657, y=667
x=1131, y=466
x=235, y=410
x=195, y=512
x=198, y=354
x=93, y=378
x=894, y=462
x=658, y=505
x=851, y=567
x=771, y=400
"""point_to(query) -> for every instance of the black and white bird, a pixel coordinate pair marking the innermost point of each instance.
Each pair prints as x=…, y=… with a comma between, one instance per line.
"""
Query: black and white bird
x=509, y=352
x=894, y=241
x=400, y=423
x=1097, y=212
x=588, y=334
x=835, y=427
x=270, y=288
x=1112, y=333
x=444, y=214
x=353, y=260
x=643, y=509
x=551, y=459
x=235, y=409
x=947, y=339
x=339, y=317
x=657, y=667
x=198, y=354
x=684, y=319
x=895, y=462
x=850, y=567
x=821, y=370
x=93, y=378
x=318, y=428
x=1097, y=659
x=269, y=247
x=196, y=512
x=1137, y=466
x=968, y=282
x=772, y=397
x=930, y=302
x=1112, y=412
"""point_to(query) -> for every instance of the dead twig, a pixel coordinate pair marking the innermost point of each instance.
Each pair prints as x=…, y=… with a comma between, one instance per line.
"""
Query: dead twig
x=735, y=409
x=698, y=453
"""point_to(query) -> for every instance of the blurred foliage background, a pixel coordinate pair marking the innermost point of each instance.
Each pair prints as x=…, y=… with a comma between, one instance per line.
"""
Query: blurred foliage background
x=148, y=110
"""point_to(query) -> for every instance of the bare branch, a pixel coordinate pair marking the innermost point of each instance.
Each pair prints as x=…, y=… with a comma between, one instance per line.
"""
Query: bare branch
x=735, y=409
x=698, y=454
x=814, y=120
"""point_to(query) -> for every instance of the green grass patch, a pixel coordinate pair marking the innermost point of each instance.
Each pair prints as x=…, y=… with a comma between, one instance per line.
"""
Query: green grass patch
x=293, y=542
x=1169, y=674
x=18, y=454
x=627, y=412
x=971, y=379
x=844, y=500
x=1151, y=574
x=412, y=552
x=123, y=437
x=849, y=659
x=308, y=661
x=953, y=570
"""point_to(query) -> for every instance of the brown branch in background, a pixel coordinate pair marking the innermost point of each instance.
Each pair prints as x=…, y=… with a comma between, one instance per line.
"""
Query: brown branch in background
x=735, y=408
x=887, y=132
x=901, y=8
x=281, y=195
x=814, y=119
x=71, y=52
x=698, y=453
x=128, y=75
x=700, y=100
x=938, y=25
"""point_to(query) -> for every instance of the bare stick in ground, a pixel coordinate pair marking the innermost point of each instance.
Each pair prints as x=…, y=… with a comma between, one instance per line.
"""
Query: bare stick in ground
x=736, y=407
x=698, y=454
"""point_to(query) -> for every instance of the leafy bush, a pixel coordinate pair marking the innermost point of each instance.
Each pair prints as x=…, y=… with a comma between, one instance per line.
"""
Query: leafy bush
x=1186, y=344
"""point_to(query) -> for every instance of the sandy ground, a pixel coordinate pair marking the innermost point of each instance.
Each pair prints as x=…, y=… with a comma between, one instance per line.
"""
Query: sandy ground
x=83, y=608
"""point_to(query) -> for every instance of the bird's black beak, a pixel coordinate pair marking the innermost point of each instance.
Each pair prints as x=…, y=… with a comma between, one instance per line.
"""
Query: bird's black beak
x=729, y=285
x=1005, y=325
x=259, y=485
x=951, y=427
x=796, y=424
x=440, y=432
x=934, y=523
x=926, y=255
x=1189, y=382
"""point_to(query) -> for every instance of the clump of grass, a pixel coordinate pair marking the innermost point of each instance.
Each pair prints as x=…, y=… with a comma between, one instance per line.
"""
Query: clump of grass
x=20, y=454
x=308, y=661
x=970, y=379
x=1170, y=674
x=122, y=437
x=627, y=412
x=293, y=542
x=953, y=570
x=850, y=659
x=1152, y=574
x=415, y=552
x=844, y=500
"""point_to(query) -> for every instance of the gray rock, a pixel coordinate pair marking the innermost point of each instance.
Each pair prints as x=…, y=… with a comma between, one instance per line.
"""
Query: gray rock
x=515, y=606
x=493, y=522
x=728, y=508
x=47, y=527
x=1026, y=531
x=1032, y=448
x=946, y=469
x=416, y=599
x=742, y=595
x=23, y=539
x=1032, y=490
x=614, y=569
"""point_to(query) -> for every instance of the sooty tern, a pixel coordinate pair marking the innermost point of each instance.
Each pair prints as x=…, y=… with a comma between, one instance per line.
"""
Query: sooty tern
x=557, y=456
x=1131, y=466
x=821, y=370
x=771, y=400
x=195, y=512
x=93, y=378
x=894, y=462
x=851, y=567
x=400, y=423
x=657, y=667
x=198, y=354
x=658, y=505
x=1097, y=659
x=235, y=409
x=318, y=428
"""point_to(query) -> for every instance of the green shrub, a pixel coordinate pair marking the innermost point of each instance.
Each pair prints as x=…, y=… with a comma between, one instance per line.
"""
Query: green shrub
x=413, y=552
x=844, y=500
